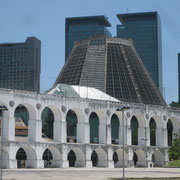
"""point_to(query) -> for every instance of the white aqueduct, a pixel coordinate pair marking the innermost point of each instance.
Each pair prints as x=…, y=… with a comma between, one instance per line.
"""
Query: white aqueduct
x=34, y=146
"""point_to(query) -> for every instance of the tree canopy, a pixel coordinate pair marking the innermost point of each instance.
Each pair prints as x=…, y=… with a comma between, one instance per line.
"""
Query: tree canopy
x=174, y=150
x=175, y=104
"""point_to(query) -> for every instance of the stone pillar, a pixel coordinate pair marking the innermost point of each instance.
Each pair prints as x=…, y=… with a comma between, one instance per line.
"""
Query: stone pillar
x=83, y=135
x=12, y=157
x=147, y=131
x=87, y=132
x=130, y=162
x=88, y=163
x=64, y=161
x=128, y=135
x=5, y=160
x=8, y=126
x=88, y=153
x=109, y=138
x=12, y=163
x=159, y=137
x=120, y=135
x=40, y=163
x=165, y=137
x=57, y=130
x=149, y=162
x=102, y=133
x=141, y=136
x=35, y=130
x=63, y=129
x=110, y=162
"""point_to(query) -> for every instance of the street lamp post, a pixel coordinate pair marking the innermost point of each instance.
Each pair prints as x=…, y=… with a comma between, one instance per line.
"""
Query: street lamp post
x=122, y=110
x=2, y=109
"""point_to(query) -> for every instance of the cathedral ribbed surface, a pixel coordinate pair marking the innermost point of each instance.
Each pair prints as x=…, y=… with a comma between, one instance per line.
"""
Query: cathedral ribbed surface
x=111, y=65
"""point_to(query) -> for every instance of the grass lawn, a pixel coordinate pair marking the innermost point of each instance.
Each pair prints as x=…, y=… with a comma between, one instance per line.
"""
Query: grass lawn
x=147, y=178
x=175, y=163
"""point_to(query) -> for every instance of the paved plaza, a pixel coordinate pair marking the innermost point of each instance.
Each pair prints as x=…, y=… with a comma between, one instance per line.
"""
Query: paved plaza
x=87, y=173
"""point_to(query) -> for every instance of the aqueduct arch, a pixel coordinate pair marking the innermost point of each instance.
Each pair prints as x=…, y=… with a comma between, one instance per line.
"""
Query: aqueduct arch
x=53, y=157
x=101, y=157
x=102, y=125
x=30, y=156
x=76, y=157
x=159, y=158
x=119, y=163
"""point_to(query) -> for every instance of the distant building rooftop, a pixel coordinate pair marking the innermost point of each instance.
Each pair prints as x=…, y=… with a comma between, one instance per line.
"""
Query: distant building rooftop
x=80, y=91
x=122, y=17
x=102, y=19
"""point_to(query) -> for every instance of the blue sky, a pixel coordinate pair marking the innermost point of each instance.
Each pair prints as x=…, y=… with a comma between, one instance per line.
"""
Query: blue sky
x=45, y=19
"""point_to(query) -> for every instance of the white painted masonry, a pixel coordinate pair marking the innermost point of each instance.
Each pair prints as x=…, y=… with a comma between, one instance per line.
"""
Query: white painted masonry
x=83, y=107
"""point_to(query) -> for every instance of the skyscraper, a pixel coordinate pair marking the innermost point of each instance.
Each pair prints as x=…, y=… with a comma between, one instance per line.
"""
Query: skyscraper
x=78, y=28
x=145, y=30
x=20, y=65
x=113, y=66
x=179, y=77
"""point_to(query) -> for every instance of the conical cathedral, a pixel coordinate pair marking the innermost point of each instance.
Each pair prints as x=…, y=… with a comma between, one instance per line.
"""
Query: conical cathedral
x=113, y=66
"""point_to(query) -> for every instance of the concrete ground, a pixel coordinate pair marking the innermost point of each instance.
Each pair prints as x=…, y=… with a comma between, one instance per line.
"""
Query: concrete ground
x=86, y=173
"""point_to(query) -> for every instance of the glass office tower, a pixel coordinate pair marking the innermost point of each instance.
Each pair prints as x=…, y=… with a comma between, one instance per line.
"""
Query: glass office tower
x=179, y=77
x=79, y=28
x=145, y=30
x=20, y=65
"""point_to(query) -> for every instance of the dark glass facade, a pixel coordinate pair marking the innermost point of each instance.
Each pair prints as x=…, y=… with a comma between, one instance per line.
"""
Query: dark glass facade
x=20, y=65
x=113, y=66
x=179, y=76
x=145, y=31
x=79, y=28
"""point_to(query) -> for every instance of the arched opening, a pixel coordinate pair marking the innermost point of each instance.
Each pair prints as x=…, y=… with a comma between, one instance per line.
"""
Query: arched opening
x=141, y=158
x=47, y=123
x=52, y=158
x=158, y=158
x=94, y=128
x=94, y=159
x=114, y=129
x=135, y=159
x=26, y=157
x=21, y=158
x=120, y=162
x=21, y=115
x=71, y=120
x=134, y=130
x=79, y=160
x=115, y=158
x=169, y=132
x=47, y=157
x=152, y=125
x=71, y=158
x=99, y=158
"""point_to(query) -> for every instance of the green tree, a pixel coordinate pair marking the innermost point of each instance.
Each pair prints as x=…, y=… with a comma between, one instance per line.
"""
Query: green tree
x=175, y=104
x=174, y=150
